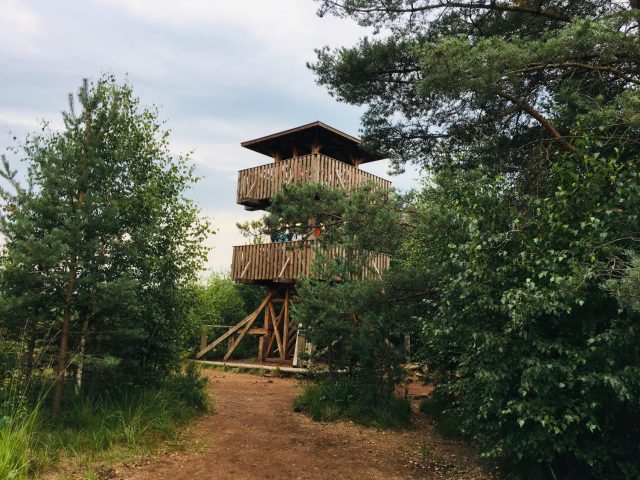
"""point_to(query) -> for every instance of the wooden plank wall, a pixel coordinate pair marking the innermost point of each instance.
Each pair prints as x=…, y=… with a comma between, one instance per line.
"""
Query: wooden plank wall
x=264, y=181
x=287, y=261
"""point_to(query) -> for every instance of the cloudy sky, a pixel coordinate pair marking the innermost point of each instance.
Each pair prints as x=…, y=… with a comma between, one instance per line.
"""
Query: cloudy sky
x=221, y=71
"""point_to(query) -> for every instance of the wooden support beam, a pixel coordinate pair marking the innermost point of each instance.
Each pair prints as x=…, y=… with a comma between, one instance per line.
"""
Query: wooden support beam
x=276, y=331
x=277, y=324
x=285, y=319
x=265, y=303
x=261, y=355
x=230, y=341
x=316, y=147
x=248, y=320
x=204, y=334
x=238, y=339
x=222, y=338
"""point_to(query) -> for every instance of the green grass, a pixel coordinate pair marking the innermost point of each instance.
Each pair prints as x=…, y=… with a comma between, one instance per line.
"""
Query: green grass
x=100, y=428
x=16, y=439
x=342, y=399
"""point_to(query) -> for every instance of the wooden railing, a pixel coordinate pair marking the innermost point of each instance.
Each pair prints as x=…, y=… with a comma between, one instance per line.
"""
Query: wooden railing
x=287, y=261
x=263, y=182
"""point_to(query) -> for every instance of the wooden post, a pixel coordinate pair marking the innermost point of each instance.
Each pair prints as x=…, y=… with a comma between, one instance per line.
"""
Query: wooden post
x=261, y=355
x=230, y=341
x=204, y=334
x=266, y=343
x=299, y=347
x=285, y=322
x=407, y=347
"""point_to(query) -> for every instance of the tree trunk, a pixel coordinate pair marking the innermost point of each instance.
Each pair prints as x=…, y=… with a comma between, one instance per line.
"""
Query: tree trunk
x=64, y=339
x=83, y=342
x=71, y=277
x=31, y=344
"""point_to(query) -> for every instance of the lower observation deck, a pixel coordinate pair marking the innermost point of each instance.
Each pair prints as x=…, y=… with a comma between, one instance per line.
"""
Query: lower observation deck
x=284, y=262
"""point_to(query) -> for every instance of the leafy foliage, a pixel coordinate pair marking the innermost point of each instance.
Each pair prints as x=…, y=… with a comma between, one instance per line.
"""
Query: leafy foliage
x=521, y=259
x=347, y=317
x=539, y=360
x=447, y=76
x=352, y=399
x=219, y=302
x=99, y=253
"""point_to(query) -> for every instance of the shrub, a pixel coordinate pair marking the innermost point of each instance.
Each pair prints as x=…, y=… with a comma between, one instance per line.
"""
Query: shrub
x=344, y=398
x=439, y=410
x=526, y=331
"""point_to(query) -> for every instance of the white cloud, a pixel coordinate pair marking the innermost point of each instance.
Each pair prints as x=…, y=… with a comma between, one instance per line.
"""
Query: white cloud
x=275, y=23
x=223, y=71
x=28, y=119
x=19, y=28
x=227, y=235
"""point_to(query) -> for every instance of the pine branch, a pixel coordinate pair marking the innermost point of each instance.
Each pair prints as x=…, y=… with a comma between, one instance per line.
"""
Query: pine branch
x=491, y=5
x=10, y=176
x=545, y=122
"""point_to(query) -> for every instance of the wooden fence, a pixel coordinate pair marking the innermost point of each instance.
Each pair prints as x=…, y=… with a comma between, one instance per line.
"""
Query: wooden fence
x=263, y=182
x=286, y=261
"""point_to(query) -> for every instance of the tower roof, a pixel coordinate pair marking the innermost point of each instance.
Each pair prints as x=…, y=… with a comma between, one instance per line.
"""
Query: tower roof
x=333, y=143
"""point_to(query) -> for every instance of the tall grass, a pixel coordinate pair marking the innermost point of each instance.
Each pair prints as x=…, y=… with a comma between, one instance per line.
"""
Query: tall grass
x=132, y=418
x=345, y=399
x=16, y=441
x=93, y=425
x=19, y=418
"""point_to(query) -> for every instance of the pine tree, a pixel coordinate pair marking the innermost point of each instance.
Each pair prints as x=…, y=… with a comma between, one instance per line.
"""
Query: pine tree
x=106, y=241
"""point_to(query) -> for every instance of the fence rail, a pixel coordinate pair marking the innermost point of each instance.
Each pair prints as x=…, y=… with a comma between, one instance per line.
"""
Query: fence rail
x=263, y=182
x=286, y=261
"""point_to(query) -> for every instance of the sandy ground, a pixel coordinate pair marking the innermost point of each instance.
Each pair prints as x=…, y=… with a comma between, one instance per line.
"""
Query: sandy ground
x=255, y=434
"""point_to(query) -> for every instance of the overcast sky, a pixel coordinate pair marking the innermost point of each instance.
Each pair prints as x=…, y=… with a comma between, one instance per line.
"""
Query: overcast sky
x=221, y=71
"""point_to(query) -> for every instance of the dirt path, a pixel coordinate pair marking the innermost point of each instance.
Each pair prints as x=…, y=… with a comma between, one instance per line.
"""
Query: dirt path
x=254, y=434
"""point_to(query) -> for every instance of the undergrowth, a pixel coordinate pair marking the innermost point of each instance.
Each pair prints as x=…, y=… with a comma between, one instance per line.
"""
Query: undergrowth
x=438, y=409
x=94, y=427
x=345, y=399
x=17, y=435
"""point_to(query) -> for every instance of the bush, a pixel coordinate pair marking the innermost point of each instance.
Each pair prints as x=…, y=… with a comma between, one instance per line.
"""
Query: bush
x=133, y=417
x=445, y=419
x=527, y=333
x=344, y=398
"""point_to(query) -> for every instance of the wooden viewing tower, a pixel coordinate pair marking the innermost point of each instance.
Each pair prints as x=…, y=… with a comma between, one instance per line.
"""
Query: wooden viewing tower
x=313, y=153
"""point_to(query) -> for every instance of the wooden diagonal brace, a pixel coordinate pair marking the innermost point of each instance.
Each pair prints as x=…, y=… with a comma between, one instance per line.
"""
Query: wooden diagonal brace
x=245, y=268
x=247, y=321
x=284, y=267
x=340, y=178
